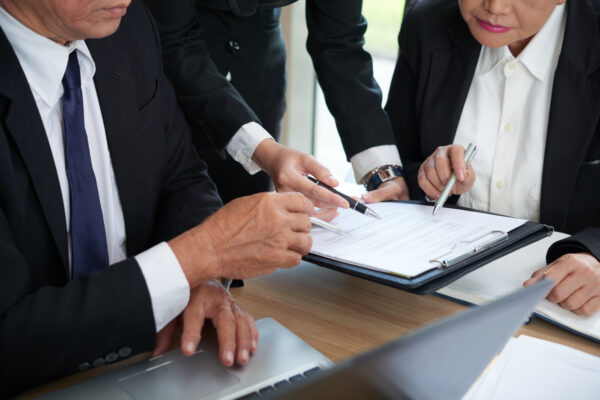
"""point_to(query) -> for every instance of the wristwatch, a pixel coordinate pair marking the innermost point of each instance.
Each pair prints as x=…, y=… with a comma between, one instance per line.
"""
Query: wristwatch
x=382, y=174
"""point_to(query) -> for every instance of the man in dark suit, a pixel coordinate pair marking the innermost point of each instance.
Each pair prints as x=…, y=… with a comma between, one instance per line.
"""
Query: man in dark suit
x=233, y=51
x=103, y=201
x=448, y=69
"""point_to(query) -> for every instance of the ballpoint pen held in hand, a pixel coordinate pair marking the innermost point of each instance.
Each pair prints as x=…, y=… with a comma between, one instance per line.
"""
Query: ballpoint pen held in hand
x=354, y=204
x=469, y=155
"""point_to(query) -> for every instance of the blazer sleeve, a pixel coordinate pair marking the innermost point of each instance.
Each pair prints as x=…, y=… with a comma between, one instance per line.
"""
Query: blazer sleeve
x=212, y=106
x=401, y=104
x=586, y=241
x=51, y=331
x=345, y=72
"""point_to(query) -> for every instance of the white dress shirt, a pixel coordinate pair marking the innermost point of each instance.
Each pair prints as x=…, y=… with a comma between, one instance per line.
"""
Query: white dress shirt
x=248, y=137
x=44, y=63
x=506, y=116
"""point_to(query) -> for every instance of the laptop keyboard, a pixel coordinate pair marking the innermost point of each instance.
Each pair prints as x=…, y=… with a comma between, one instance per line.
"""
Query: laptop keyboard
x=281, y=384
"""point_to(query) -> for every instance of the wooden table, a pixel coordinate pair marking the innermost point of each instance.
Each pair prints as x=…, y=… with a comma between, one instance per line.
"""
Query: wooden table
x=339, y=315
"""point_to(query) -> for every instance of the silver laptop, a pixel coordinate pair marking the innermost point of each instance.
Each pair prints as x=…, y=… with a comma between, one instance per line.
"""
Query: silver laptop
x=438, y=361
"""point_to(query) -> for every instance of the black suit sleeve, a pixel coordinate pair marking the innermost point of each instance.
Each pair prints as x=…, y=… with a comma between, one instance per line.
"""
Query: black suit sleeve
x=586, y=241
x=213, y=107
x=345, y=72
x=401, y=105
x=188, y=195
x=47, y=333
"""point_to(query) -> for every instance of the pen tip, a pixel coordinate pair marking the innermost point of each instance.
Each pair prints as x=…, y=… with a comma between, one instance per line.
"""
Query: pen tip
x=435, y=208
x=373, y=213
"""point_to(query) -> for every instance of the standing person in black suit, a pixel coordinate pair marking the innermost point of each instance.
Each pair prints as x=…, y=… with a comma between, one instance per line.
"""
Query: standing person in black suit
x=233, y=51
x=109, y=226
x=519, y=79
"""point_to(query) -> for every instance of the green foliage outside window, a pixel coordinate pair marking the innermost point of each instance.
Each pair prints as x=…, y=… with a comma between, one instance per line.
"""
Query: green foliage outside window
x=384, y=18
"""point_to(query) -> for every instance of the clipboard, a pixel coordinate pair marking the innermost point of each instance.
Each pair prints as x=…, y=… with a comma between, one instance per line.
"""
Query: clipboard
x=449, y=269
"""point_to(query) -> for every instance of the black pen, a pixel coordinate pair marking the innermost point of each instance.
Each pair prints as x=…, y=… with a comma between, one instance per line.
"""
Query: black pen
x=354, y=204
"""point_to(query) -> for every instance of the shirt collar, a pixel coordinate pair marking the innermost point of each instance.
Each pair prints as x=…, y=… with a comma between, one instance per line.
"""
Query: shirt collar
x=44, y=62
x=540, y=54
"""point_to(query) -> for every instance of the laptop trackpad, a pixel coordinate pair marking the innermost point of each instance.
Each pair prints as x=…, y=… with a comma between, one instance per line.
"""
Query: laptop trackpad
x=184, y=378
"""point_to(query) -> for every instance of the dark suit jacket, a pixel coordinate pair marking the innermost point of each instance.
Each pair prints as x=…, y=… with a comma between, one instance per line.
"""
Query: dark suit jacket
x=196, y=39
x=435, y=67
x=51, y=325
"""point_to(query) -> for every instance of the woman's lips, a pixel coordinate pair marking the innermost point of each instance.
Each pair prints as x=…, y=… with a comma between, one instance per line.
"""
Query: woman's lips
x=492, y=28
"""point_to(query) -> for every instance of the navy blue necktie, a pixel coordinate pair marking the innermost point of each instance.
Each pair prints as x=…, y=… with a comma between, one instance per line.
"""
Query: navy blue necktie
x=88, y=237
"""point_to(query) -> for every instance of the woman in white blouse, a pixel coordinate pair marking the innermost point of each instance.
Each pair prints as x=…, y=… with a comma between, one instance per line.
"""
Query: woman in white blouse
x=520, y=79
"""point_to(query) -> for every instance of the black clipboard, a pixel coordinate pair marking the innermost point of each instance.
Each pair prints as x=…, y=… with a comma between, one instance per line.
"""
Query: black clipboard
x=434, y=279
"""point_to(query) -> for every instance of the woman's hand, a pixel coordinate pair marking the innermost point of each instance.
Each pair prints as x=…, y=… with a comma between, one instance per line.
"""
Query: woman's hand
x=437, y=168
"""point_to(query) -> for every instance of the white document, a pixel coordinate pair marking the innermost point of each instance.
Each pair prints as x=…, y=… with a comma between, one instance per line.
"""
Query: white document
x=507, y=274
x=530, y=368
x=409, y=240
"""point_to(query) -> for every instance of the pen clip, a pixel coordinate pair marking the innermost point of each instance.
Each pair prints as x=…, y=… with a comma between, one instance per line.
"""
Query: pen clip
x=471, y=157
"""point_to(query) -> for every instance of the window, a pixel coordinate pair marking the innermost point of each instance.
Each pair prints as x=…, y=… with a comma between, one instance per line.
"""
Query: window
x=384, y=18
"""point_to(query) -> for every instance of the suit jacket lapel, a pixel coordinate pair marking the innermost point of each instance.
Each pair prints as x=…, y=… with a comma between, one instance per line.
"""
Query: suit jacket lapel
x=574, y=112
x=25, y=126
x=451, y=74
x=116, y=93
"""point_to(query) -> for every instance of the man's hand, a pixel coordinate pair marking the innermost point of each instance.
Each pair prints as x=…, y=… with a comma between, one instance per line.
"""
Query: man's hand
x=437, y=168
x=394, y=189
x=576, y=279
x=236, y=330
x=288, y=169
x=250, y=236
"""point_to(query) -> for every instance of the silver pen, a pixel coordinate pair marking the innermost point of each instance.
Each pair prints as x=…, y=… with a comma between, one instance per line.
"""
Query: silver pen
x=469, y=155
x=328, y=226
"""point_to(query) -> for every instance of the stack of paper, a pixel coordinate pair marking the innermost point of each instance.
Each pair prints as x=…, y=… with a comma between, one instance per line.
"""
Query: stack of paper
x=408, y=240
x=530, y=368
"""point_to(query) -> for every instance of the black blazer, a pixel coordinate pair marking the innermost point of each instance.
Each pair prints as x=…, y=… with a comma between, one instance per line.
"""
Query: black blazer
x=51, y=326
x=197, y=38
x=435, y=67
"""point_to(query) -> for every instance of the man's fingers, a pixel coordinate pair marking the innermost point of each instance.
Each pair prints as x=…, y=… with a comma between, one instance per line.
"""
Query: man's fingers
x=456, y=154
x=300, y=242
x=564, y=288
x=254, y=333
x=164, y=338
x=193, y=321
x=560, y=269
x=577, y=298
x=537, y=276
x=327, y=214
x=296, y=202
x=592, y=306
x=289, y=259
x=226, y=334
x=300, y=223
x=243, y=336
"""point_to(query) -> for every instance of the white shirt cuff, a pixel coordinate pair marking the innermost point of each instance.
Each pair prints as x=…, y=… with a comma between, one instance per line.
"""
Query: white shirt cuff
x=369, y=159
x=244, y=142
x=167, y=284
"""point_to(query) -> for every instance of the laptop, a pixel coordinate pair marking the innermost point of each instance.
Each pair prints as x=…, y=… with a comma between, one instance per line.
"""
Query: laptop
x=439, y=361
